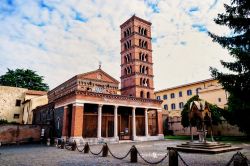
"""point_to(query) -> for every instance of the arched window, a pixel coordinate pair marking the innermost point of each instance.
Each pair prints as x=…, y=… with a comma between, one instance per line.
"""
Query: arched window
x=143, y=69
x=125, y=34
x=140, y=55
x=140, y=42
x=146, y=57
x=148, y=95
x=142, y=94
x=145, y=32
x=145, y=44
x=147, y=82
x=125, y=46
x=146, y=70
x=141, y=81
x=139, y=29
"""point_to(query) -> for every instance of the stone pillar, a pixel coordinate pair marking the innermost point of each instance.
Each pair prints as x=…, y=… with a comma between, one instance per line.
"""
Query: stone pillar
x=64, y=121
x=99, y=123
x=146, y=121
x=115, y=122
x=77, y=121
x=159, y=122
x=133, y=124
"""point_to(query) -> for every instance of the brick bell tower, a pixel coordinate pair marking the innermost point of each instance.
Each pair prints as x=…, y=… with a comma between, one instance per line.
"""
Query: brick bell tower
x=136, y=58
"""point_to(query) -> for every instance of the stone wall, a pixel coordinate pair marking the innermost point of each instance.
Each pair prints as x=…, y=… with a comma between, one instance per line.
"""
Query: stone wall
x=21, y=133
x=223, y=129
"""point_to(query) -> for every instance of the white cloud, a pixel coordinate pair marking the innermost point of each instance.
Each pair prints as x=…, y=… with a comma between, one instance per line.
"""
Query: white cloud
x=51, y=41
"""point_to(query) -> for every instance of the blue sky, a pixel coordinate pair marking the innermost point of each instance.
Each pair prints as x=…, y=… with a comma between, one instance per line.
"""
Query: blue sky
x=62, y=38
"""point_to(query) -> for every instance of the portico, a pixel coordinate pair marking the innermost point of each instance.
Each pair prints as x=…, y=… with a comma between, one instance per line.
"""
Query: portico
x=112, y=120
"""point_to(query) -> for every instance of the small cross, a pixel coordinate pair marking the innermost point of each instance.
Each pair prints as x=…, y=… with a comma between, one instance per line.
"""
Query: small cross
x=100, y=64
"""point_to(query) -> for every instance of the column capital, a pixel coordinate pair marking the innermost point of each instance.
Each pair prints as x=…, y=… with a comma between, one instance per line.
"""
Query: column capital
x=100, y=105
x=133, y=108
x=116, y=106
x=66, y=106
x=146, y=109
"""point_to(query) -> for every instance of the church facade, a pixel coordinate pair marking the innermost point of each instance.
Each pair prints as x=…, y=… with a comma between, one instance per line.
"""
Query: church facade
x=89, y=107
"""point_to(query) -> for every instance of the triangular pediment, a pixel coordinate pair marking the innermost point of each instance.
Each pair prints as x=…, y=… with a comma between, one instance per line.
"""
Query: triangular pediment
x=98, y=75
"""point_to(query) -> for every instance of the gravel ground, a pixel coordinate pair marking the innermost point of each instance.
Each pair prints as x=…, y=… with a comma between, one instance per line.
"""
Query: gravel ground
x=29, y=155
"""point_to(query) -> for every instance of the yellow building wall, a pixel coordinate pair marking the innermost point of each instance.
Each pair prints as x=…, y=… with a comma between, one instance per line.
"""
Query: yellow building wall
x=34, y=101
x=209, y=90
x=8, y=97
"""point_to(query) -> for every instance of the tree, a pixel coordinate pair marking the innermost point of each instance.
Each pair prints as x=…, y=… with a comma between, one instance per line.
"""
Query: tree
x=237, y=81
x=216, y=113
x=23, y=79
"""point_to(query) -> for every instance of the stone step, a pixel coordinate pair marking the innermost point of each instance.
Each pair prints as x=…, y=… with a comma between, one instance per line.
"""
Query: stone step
x=205, y=147
x=207, y=151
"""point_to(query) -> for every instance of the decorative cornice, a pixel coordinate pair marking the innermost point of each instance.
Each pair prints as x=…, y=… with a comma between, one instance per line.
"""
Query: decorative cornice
x=136, y=60
x=109, y=96
x=132, y=47
x=135, y=33
x=132, y=19
x=136, y=74
x=144, y=87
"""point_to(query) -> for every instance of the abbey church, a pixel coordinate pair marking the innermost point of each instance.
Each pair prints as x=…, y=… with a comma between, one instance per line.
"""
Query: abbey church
x=89, y=107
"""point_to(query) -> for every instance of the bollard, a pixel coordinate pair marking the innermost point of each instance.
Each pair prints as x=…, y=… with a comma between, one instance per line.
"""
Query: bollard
x=173, y=157
x=86, y=148
x=133, y=154
x=239, y=160
x=62, y=144
x=105, y=150
x=73, y=148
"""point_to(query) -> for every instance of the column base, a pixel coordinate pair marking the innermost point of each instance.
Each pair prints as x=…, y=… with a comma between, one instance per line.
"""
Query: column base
x=78, y=140
x=134, y=138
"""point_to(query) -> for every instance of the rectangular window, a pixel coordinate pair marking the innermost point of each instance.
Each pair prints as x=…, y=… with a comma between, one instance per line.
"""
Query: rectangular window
x=189, y=92
x=180, y=94
x=16, y=116
x=165, y=97
x=173, y=106
x=18, y=102
x=172, y=95
x=181, y=105
x=158, y=97
x=165, y=107
x=219, y=99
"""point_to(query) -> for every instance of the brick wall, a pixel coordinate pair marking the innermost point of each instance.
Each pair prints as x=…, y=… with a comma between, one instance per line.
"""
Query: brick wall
x=20, y=133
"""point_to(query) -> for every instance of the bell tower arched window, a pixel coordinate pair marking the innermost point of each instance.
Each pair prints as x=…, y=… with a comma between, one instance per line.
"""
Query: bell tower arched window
x=142, y=94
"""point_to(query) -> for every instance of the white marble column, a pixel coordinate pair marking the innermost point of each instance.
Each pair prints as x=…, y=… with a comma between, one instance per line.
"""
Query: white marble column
x=133, y=124
x=146, y=121
x=115, y=122
x=99, y=126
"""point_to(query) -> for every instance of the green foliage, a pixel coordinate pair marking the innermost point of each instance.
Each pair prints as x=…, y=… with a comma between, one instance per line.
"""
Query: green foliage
x=23, y=79
x=3, y=121
x=216, y=113
x=237, y=82
x=184, y=113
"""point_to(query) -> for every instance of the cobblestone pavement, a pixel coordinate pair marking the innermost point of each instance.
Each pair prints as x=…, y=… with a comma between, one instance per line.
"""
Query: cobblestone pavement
x=29, y=155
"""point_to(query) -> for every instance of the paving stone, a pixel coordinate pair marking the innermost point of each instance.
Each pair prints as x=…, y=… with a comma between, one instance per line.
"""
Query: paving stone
x=39, y=155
